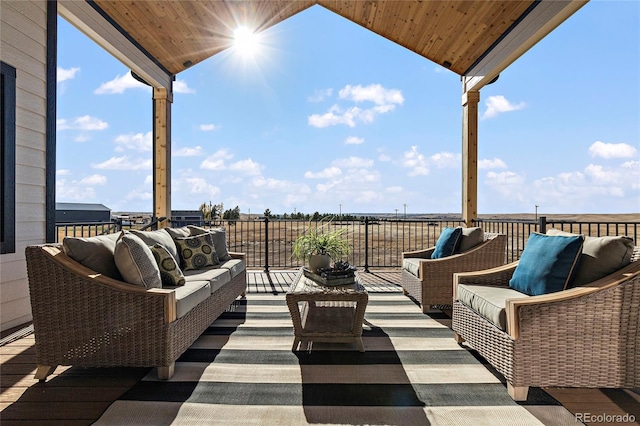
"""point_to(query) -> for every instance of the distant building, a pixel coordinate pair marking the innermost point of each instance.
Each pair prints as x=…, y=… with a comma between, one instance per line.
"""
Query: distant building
x=82, y=212
x=186, y=217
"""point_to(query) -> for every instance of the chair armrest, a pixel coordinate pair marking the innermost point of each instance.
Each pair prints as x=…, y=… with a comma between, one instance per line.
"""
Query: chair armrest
x=498, y=276
x=516, y=312
x=422, y=254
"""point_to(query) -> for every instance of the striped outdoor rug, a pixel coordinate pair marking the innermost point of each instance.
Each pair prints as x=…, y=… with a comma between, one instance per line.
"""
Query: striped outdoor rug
x=242, y=371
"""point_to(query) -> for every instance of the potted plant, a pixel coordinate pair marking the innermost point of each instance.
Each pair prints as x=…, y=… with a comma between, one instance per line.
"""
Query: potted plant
x=320, y=245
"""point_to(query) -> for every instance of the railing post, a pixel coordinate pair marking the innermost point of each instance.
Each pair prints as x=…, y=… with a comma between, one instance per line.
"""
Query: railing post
x=266, y=245
x=366, y=244
x=542, y=225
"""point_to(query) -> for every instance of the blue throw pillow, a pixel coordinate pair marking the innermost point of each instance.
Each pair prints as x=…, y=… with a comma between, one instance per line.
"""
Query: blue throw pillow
x=547, y=264
x=448, y=242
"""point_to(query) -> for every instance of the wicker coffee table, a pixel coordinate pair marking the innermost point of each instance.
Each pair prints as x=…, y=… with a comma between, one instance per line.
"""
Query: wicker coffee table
x=326, y=313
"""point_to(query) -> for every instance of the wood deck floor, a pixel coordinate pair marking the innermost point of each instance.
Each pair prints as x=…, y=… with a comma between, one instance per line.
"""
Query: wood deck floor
x=80, y=396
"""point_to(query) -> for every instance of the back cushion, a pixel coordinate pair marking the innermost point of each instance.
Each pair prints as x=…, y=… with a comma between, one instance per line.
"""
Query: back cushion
x=601, y=256
x=95, y=253
x=158, y=237
x=471, y=237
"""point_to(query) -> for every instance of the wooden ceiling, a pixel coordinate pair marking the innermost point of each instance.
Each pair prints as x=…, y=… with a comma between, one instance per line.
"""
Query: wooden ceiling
x=453, y=33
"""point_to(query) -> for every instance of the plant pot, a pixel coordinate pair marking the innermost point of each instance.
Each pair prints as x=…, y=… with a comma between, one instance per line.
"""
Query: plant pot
x=317, y=261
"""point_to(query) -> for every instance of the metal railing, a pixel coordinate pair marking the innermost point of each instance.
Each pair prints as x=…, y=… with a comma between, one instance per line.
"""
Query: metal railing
x=376, y=243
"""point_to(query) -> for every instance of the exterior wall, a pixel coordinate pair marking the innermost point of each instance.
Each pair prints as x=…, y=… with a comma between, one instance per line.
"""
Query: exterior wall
x=23, y=35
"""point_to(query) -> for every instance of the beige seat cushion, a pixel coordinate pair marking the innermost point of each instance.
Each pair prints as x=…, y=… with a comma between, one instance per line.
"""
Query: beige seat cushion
x=216, y=276
x=488, y=301
x=412, y=265
x=235, y=266
x=190, y=295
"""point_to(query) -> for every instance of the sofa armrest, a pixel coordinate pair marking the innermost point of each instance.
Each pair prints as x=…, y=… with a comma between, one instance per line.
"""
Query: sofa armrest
x=526, y=310
x=422, y=254
x=237, y=255
x=37, y=256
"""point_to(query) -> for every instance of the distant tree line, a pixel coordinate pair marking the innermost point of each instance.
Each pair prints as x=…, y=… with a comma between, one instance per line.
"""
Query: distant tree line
x=215, y=212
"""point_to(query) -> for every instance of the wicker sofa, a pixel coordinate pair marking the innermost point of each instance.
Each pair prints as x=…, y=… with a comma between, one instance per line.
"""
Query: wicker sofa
x=429, y=281
x=586, y=336
x=84, y=318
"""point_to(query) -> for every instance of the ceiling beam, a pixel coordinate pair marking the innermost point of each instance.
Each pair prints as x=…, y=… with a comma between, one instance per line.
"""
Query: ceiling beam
x=94, y=25
x=544, y=18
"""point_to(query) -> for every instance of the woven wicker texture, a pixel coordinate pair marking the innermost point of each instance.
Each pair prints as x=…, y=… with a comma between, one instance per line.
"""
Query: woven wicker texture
x=82, y=320
x=589, y=340
x=434, y=283
x=326, y=314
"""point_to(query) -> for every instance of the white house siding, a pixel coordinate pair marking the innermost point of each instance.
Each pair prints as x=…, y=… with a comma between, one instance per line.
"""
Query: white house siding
x=23, y=35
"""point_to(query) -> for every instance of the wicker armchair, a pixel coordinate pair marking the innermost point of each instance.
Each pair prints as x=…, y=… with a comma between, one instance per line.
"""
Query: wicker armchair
x=433, y=284
x=586, y=336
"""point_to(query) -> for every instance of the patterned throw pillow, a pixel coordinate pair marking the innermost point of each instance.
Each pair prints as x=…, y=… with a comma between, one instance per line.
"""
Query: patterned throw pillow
x=197, y=252
x=170, y=272
x=135, y=261
x=219, y=236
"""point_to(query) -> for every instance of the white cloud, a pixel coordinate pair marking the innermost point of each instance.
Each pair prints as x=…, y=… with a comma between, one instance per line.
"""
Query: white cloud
x=416, y=162
x=180, y=86
x=208, y=127
x=495, y=163
x=444, y=160
x=66, y=74
x=73, y=191
x=320, y=95
x=94, y=180
x=82, y=137
x=354, y=140
x=373, y=93
x=328, y=173
x=508, y=184
x=188, y=152
x=612, y=150
x=63, y=172
x=384, y=157
x=119, y=85
x=141, y=142
x=395, y=189
x=86, y=122
x=247, y=166
x=602, y=176
x=216, y=161
x=195, y=187
x=124, y=163
x=353, y=162
x=148, y=180
x=499, y=104
x=385, y=100
x=136, y=194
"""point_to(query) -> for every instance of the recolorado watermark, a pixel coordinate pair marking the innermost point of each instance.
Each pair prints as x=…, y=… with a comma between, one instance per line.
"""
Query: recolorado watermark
x=604, y=418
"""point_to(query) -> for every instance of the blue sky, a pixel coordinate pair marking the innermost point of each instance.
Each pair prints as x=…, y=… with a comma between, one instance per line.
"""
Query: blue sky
x=327, y=116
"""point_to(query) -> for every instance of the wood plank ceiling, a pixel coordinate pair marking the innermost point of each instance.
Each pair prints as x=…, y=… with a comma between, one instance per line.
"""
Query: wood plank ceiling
x=452, y=33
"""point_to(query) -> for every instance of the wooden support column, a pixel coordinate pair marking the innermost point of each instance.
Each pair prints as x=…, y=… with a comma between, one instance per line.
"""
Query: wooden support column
x=162, y=99
x=470, y=101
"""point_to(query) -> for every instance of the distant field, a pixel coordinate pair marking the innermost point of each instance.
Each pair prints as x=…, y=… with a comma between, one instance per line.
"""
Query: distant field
x=381, y=243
